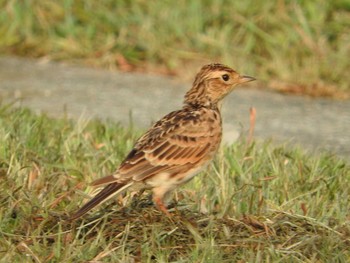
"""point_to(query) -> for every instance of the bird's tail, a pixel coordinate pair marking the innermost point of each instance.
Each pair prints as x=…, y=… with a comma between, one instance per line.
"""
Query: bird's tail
x=105, y=193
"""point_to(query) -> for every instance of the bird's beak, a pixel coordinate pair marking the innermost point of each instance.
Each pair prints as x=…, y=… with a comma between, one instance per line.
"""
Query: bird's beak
x=244, y=79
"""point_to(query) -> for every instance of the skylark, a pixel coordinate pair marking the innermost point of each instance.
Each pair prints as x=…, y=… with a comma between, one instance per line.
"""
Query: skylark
x=178, y=146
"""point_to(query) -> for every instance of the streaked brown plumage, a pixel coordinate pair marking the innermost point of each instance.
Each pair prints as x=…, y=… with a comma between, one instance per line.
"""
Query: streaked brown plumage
x=178, y=146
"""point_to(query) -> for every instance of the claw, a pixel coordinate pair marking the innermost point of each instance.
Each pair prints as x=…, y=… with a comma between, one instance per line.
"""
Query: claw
x=159, y=203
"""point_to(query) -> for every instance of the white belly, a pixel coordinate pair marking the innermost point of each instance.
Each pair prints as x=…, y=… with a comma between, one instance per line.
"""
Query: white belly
x=170, y=182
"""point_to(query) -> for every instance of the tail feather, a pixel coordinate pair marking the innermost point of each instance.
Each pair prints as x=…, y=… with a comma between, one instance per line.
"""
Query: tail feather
x=104, y=181
x=99, y=198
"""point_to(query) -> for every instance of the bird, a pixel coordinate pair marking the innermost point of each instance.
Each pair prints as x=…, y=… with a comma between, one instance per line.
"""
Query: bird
x=178, y=146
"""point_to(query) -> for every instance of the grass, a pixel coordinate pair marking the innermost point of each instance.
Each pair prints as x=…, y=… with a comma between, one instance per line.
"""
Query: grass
x=257, y=202
x=294, y=46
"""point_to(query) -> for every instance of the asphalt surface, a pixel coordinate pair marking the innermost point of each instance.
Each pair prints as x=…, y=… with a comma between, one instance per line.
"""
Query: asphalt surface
x=54, y=88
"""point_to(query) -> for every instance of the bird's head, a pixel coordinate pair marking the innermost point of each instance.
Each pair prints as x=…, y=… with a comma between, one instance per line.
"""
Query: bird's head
x=212, y=83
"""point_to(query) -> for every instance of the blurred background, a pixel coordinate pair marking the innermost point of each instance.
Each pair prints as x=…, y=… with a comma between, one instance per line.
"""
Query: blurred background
x=298, y=47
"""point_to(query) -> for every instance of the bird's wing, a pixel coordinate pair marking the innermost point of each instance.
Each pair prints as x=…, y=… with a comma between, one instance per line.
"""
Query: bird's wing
x=182, y=138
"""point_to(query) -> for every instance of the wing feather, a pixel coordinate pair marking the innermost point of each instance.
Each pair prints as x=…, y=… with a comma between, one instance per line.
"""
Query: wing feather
x=177, y=140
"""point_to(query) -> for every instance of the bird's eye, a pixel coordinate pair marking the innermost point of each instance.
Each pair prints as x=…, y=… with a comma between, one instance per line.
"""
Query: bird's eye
x=225, y=77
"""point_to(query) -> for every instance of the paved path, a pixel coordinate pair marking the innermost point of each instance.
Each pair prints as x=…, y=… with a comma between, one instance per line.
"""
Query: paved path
x=318, y=124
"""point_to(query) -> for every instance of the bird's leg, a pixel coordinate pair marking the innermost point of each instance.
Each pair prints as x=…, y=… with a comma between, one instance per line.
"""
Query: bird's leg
x=159, y=203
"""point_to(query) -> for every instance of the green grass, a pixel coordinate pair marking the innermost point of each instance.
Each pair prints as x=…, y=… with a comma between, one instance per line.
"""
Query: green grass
x=257, y=203
x=296, y=46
